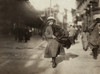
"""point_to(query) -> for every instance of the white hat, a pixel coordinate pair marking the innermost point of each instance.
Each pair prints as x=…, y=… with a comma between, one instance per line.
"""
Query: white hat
x=50, y=18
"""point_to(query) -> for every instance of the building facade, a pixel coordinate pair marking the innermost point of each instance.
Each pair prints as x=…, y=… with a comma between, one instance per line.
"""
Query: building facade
x=87, y=10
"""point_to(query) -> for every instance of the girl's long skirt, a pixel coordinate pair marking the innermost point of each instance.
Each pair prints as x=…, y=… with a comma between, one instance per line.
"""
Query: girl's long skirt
x=53, y=49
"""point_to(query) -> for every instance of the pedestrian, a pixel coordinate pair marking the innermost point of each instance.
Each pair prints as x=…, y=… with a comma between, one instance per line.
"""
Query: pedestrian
x=72, y=32
x=26, y=33
x=94, y=37
x=53, y=48
x=20, y=33
x=15, y=31
x=84, y=36
x=84, y=39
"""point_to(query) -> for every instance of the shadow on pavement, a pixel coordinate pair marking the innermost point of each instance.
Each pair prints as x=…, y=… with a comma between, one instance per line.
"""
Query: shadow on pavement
x=67, y=56
x=70, y=55
x=77, y=42
x=60, y=59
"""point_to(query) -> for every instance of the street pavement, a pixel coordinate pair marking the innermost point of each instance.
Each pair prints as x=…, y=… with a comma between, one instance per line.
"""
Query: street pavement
x=28, y=58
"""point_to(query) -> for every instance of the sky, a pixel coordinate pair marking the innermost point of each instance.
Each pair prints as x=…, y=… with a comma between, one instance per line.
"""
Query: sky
x=68, y=4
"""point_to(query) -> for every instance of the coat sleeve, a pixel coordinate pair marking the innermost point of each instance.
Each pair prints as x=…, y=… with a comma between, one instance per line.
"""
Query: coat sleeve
x=91, y=27
x=48, y=32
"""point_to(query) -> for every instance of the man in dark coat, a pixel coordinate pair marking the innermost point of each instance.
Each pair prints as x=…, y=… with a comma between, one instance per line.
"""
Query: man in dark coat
x=94, y=37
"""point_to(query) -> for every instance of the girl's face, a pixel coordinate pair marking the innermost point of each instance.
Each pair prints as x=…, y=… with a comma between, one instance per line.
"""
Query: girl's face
x=51, y=22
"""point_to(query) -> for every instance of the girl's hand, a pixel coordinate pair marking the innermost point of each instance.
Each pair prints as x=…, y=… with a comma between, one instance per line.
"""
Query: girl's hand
x=53, y=37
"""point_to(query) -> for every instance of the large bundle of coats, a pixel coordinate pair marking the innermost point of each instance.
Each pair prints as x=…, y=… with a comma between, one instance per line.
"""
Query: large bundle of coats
x=62, y=36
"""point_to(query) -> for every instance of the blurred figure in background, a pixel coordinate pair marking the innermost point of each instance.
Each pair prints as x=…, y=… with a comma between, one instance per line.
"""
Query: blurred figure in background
x=26, y=33
x=72, y=32
x=94, y=37
x=15, y=31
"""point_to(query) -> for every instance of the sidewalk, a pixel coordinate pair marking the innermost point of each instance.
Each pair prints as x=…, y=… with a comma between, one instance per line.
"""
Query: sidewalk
x=32, y=61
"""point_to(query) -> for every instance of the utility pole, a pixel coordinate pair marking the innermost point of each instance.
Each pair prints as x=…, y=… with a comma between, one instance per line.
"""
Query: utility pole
x=50, y=7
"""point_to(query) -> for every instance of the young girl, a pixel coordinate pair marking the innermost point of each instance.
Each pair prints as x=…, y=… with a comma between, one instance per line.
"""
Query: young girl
x=53, y=47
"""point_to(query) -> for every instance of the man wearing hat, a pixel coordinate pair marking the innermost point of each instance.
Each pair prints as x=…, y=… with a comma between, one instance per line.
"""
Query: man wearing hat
x=53, y=47
x=94, y=37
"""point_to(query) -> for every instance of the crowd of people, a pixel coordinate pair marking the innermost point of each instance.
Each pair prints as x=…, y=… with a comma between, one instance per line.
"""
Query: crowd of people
x=22, y=33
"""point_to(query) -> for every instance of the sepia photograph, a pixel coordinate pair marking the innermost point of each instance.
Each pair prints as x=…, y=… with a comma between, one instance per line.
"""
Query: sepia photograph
x=49, y=36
